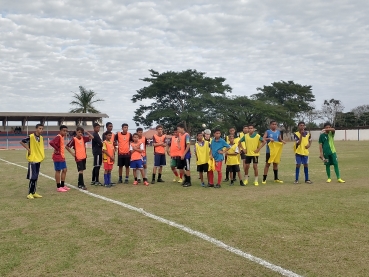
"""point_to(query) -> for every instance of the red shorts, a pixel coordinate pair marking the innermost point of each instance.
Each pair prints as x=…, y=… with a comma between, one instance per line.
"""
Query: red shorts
x=108, y=166
x=218, y=166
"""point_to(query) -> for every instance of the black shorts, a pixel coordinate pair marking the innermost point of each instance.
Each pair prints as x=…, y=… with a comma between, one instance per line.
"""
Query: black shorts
x=124, y=160
x=243, y=156
x=203, y=167
x=183, y=164
x=267, y=156
x=233, y=168
x=253, y=159
x=97, y=160
x=81, y=165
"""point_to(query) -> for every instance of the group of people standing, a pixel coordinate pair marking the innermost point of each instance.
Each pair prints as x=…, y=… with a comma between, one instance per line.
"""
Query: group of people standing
x=128, y=151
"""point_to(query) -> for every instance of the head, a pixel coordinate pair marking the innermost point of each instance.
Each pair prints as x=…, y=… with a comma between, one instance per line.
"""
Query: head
x=39, y=129
x=245, y=129
x=301, y=126
x=251, y=129
x=159, y=129
x=108, y=135
x=135, y=137
x=273, y=125
x=96, y=127
x=232, y=131
x=109, y=126
x=63, y=130
x=79, y=132
x=200, y=136
x=231, y=139
x=327, y=125
x=181, y=128
x=217, y=133
x=124, y=128
x=139, y=132
x=175, y=133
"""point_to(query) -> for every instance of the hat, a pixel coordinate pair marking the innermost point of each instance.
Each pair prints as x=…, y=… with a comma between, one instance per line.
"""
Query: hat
x=207, y=131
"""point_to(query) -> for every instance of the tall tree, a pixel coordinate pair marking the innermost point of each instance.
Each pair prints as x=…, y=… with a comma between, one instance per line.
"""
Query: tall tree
x=186, y=96
x=294, y=98
x=330, y=109
x=359, y=110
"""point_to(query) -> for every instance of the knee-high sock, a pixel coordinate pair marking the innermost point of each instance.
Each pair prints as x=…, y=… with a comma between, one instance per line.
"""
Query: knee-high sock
x=337, y=171
x=275, y=174
x=306, y=171
x=97, y=173
x=105, y=179
x=328, y=170
x=219, y=177
x=211, y=177
x=297, y=173
x=80, y=179
x=93, y=174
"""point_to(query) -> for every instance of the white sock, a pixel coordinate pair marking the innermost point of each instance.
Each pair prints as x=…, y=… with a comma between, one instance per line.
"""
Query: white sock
x=138, y=174
x=256, y=178
x=145, y=171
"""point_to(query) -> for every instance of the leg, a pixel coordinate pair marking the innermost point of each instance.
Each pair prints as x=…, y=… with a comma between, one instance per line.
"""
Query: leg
x=297, y=173
x=266, y=169
x=57, y=178
x=306, y=172
x=256, y=172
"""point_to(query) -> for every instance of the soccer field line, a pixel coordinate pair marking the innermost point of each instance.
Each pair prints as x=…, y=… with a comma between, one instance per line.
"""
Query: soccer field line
x=264, y=263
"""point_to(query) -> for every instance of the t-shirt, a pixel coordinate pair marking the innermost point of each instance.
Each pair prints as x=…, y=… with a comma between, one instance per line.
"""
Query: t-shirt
x=215, y=146
x=96, y=144
x=327, y=142
x=273, y=135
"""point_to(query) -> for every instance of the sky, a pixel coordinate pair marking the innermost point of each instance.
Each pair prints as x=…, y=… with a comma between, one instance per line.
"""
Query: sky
x=49, y=48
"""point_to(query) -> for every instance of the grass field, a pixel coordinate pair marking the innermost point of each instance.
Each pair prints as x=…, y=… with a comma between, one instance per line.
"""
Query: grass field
x=313, y=230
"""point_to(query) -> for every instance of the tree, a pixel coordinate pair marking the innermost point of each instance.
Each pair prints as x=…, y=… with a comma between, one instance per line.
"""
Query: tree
x=330, y=109
x=294, y=98
x=346, y=120
x=309, y=117
x=360, y=110
x=186, y=96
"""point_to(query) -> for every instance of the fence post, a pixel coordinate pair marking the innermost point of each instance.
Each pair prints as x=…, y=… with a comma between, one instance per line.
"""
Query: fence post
x=358, y=134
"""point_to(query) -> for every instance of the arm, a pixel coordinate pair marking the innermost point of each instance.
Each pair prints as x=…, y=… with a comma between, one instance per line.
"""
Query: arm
x=261, y=145
x=281, y=140
x=321, y=151
x=310, y=141
x=70, y=151
x=240, y=144
x=89, y=135
x=25, y=144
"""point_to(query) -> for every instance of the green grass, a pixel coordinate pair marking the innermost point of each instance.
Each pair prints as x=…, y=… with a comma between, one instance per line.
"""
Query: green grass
x=313, y=230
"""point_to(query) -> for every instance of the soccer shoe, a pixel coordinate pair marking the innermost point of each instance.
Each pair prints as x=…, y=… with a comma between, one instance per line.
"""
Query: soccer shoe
x=36, y=195
x=30, y=196
x=296, y=182
x=210, y=185
x=245, y=182
x=231, y=183
x=126, y=181
x=152, y=181
x=263, y=182
x=256, y=183
x=308, y=182
x=226, y=180
x=92, y=183
x=139, y=180
x=135, y=183
x=187, y=184
x=180, y=180
x=146, y=183
x=112, y=184
x=341, y=181
x=203, y=185
x=160, y=180
x=217, y=186
x=278, y=181
x=61, y=190
x=120, y=181
x=329, y=180
x=98, y=184
x=82, y=187
x=241, y=183
x=107, y=185
x=175, y=180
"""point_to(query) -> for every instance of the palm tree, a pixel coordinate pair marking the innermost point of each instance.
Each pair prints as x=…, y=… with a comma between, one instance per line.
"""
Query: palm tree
x=84, y=101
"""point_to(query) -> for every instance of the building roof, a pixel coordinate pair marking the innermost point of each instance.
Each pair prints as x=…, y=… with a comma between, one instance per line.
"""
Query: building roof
x=36, y=116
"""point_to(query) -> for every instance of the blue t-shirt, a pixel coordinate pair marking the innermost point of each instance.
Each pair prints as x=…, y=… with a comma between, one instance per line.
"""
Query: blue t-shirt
x=273, y=135
x=215, y=146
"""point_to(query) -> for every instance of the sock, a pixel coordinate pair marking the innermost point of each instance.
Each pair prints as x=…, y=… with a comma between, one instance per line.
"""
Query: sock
x=175, y=173
x=219, y=177
x=246, y=177
x=297, y=173
x=80, y=180
x=105, y=179
x=58, y=185
x=109, y=178
x=97, y=173
x=227, y=174
x=234, y=175
x=211, y=177
x=145, y=172
x=189, y=179
x=144, y=179
x=159, y=176
x=337, y=171
x=126, y=177
x=93, y=174
x=328, y=170
x=120, y=178
x=31, y=186
x=153, y=177
x=306, y=171
x=275, y=174
x=264, y=178
x=135, y=178
x=62, y=184
x=256, y=178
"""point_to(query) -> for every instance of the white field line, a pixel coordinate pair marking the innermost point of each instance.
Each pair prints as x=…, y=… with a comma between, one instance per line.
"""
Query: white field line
x=203, y=236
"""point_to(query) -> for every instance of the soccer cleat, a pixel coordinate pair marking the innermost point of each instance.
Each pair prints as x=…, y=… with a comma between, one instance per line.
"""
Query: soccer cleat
x=256, y=183
x=126, y=181
x=36, y=195
x=107, y=185
x=241, y=183
x=187, y=184
x=92, y=183
x=146, y=183
x=263, y=182
x=112, y=184
x=160, y=180
x=231, y=183
x=217, y=186
x=278, y=181
x=296, y=182
x=30, y=196
x=175, y=180
x=120, y=181
x=308, y=182
x=180, y=180
x=245, y=182
x=203, y=185
x=66, y=188
x=210, y=185
x=135, y=183
x=83, y=187
x=329, y=180
x=139, y=180
x=341, y=181
x=226, y=180
x=152, y=181
x=98, y=184
x=61, y=190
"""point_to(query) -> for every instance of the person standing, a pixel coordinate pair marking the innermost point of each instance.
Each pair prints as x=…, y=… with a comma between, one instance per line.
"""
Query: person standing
x=301, y=147
x=97, y=145
x=159, y=142
x=184, y=163
x=218, y=147
x=123, y=139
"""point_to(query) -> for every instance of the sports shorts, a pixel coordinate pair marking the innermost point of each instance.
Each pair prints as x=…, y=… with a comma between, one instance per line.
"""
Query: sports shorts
x=108, y=166
x=218, y=165
x=203, y=167
x=159, y=160
x=183, y=164
x=252, y=159
x=136, y=164
x=81, y=165
x=300, y=159
x=233, y=168
x=60, y=165
x=124, y=160
x=144, y=160
x=331, y=159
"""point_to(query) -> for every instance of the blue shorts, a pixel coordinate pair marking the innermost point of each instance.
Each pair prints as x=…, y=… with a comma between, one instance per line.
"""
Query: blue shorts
x=300, y=159
x=136, y=164
x=159, y=160
x=144, y=160
x=60, y=165
x=33, y=171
